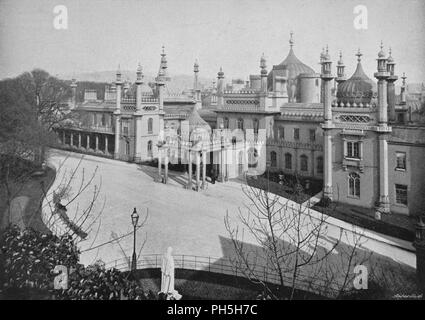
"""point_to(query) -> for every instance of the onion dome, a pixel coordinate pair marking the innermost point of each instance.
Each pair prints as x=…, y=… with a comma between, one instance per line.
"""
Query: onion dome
x=359, y=88
x=291, y=63
x=390, y=58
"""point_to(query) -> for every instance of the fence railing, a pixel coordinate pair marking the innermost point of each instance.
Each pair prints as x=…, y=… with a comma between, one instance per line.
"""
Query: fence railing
x=227, y=267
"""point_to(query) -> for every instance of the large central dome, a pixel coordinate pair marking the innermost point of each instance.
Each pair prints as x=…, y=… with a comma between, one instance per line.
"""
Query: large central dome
x=294, y=66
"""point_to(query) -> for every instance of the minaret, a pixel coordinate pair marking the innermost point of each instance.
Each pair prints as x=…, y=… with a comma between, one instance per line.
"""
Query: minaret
x=220, y=88
x=163, y=65
x=327, y=126
x=74, y=93
x=117, y=113
x=391, y=87
x=340, y=70
x=196, y=89
x=382, y=131
x=138, y=115
x=322, y=86
x=403, y=89
x=263, y=73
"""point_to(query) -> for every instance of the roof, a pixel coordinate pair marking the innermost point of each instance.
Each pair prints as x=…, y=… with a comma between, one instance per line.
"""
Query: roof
x=196, y=121
x=293, y=65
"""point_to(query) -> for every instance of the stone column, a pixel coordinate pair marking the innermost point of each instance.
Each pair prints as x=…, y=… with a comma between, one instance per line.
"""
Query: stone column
x=166, y=165
x=189, y=184
x=106, y=144
x=97, y=142
x=79, y=140
x=88, y=142
x=327, y=126
x=383, y=174
x=117, y=134
x=71, y=143
x=63, y=137
x=198, y=165
x=159, y=165
x=204, y=168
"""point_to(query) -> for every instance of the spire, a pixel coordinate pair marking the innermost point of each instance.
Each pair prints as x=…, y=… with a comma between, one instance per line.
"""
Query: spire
x=220, y=73
x=381, y=53
x=291, y=39
x=340, y=61
x=359, y=56
x=139, y=73
x=196, y=66
x=163, y=64
x=118, y=75
x=404, y=79
x=263, y=64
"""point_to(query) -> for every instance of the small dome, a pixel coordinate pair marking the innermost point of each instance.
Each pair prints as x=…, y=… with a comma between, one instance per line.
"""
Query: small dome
x=196, y=122
x=146, y=89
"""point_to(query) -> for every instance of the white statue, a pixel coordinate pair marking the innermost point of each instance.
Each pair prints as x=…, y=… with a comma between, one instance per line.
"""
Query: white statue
x=167, y=276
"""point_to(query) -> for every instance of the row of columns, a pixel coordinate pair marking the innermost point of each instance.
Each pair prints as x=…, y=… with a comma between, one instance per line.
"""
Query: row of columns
x=79, y=146
x=198, y=174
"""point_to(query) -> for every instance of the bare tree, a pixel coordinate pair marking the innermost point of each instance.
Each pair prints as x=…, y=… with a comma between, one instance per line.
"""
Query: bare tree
x=293, y=246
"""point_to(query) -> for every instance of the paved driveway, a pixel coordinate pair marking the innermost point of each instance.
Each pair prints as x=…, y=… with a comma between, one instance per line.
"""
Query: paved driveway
x=191, y=222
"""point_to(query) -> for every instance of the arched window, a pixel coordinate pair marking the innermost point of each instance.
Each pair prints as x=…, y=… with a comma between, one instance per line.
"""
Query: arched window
x=234, y=140
x=226, y=123
x=273, y=159
x=150, y=148
x=320, y=165
x=354, y=185
x=255, y=123
x=240, y=123
x=304, y=162
x=288, y=161
x=150, y=125
x=252, y=158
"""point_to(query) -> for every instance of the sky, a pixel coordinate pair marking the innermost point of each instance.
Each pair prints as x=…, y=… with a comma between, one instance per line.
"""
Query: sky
x=232, y=34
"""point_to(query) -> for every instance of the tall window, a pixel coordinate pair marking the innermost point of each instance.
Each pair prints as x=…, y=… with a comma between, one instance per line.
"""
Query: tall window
x=354, y=185
x=312, y=135
x=150, y=125
x=255, y=123
x=304, y=163
x=401, y=160
x=125, y=124
x=296, y=134
x=150, y=148
x=103, y=120
x=226, y=123
x=273, y=159
x=240, y=123
x=401, y=194
x=127, y=148
x=281, y=132
x=353, y=150
x=320, y=165
x=288, y=161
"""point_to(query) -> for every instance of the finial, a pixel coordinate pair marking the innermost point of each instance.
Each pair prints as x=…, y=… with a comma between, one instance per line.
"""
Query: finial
x=291, y=39
x=381, y=54
x=359, y=55
x=382, y=45
x=404, y=79
x=119, y=69
x=327, y=49
x=163, y=50
x=340, y=62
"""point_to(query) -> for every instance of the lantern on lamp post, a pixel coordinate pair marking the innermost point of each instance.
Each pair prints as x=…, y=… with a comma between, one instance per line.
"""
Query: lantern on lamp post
x=134, y=221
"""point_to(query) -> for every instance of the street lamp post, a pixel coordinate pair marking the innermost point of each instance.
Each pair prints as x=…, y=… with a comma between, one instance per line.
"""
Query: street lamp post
x=134, y=221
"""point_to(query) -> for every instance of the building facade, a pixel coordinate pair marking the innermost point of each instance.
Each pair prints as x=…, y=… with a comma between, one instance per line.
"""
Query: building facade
x=355, y=134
